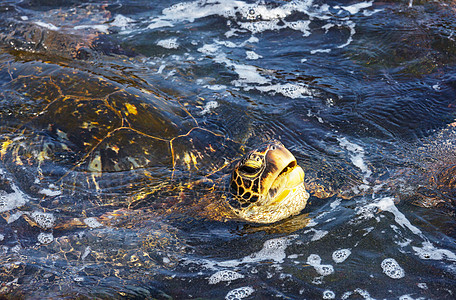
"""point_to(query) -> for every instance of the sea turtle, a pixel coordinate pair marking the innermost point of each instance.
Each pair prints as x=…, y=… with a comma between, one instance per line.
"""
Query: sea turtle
x=69, y=137
x=89, y=169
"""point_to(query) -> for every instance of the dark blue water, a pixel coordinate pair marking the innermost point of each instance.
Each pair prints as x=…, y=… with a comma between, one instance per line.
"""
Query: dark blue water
x=362, y=92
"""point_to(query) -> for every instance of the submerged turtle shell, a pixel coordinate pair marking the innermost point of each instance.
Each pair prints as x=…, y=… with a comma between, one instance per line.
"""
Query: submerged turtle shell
x=83, y=135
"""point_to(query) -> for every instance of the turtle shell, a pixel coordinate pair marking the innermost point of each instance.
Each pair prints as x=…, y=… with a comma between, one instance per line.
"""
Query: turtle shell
x=69, y=133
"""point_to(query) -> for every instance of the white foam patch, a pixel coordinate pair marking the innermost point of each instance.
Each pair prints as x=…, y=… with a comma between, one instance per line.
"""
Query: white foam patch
x=320, y=51
x=239, y=293
x=92, y=222
x=252, y=55
x=351, y=25
x=43, y=219
x=122, y=22
x=428, y=251
x=290, y=90
x=209, y=107
x=2, y=237
x=9, y=201
x=47, y=25
x=247, y=74
x=273, y=250
x=45, y=238
x=224, y=275
x=355, y=8
x=387, y=204
x=50, y=192
x=340, y=255
x=314, y=260
x=87, y=251
x=356, y=156
x=98, y=27
x=254, y=18
x=318, y=235
x=392, y=269
x=170, y=43
x=190, y=11
x=216, y=87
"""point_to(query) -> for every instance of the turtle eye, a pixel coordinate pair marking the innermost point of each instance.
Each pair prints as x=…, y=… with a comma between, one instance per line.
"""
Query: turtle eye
x=273, y=147
x=248, y=170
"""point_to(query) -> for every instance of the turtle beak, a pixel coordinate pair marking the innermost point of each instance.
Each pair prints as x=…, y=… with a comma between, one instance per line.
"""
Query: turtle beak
x=282, y=172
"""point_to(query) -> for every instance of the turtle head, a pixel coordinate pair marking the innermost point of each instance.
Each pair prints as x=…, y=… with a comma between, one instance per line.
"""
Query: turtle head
x=267, y=184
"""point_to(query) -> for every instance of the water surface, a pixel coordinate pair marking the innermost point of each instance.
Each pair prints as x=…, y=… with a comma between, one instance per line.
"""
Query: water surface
x=362, y=92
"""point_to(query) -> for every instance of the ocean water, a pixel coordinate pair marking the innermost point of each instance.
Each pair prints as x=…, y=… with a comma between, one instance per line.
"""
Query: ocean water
x=120, y=121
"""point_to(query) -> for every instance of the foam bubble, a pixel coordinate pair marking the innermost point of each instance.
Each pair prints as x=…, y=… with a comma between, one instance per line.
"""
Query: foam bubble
x=224, y=275
x=392, y=269
x=314, y=260
x=92, y=222
x=239, y=293
x=2, y=237
x=324, y=270
x=422, y=285
x=44, y=220
x=340, y=255
x=329, y=295
x=45, y=238
x=170, y=43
